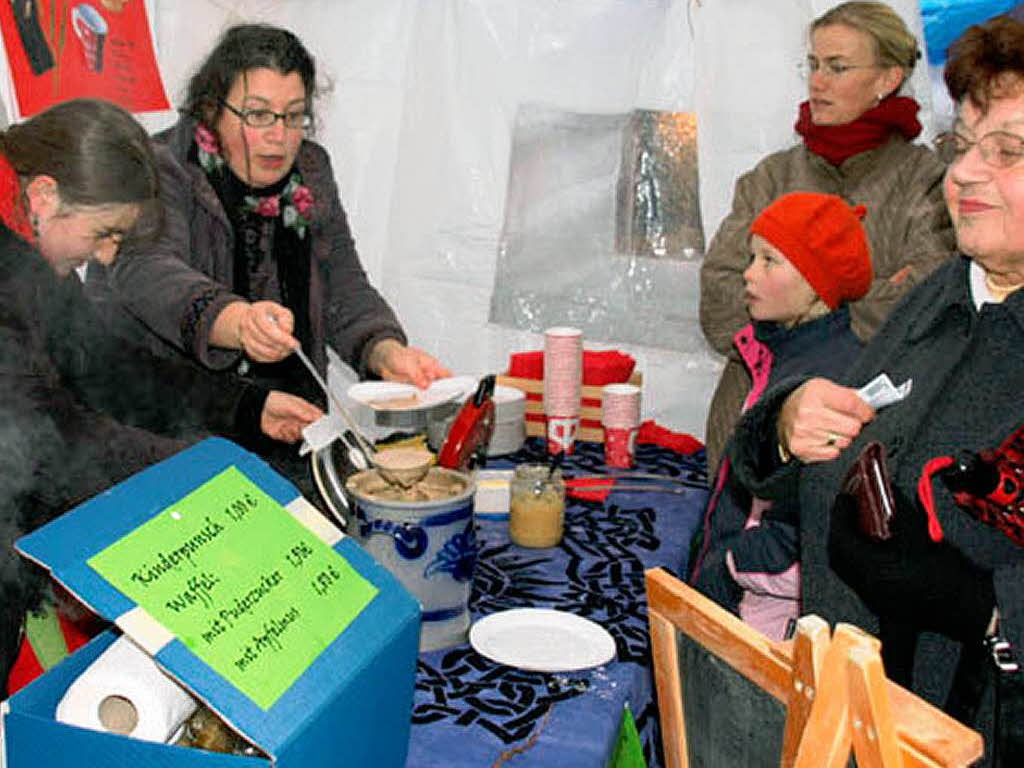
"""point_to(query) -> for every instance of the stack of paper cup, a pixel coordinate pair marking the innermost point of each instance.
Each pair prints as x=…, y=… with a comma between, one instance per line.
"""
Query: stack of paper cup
x=563, y=382
x=620, y=416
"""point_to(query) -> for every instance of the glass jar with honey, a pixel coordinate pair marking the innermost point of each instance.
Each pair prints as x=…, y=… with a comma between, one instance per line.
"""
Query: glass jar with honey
x=536, y=516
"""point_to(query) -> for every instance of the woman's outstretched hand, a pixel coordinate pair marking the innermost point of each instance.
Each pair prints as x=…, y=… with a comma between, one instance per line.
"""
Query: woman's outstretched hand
x=819, y=419
x=284, y=416
x=393, y=361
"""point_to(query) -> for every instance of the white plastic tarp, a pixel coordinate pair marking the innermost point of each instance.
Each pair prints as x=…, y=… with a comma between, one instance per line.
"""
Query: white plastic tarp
x=420, y=117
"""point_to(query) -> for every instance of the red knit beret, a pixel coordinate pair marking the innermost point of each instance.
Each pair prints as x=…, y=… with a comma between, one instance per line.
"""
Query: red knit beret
x=822, y=237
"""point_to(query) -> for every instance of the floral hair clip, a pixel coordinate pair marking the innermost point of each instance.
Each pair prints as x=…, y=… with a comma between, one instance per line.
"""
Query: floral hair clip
x=208, y=149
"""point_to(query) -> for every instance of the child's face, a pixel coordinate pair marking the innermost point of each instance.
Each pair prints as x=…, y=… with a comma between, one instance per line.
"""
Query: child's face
x=775, y=289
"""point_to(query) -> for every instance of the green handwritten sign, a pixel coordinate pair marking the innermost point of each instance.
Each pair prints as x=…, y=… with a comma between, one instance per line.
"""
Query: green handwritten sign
x=249, y=589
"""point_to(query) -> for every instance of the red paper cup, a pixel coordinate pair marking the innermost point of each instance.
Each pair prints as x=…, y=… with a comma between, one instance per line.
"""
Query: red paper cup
x=561, y=431
x=620, y=405
x=620, y=446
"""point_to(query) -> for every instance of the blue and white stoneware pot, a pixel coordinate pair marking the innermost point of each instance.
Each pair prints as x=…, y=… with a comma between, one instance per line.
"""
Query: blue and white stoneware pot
x=430, y=546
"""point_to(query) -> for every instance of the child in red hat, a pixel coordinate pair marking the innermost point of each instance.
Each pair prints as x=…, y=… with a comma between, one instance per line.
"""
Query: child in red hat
x=809, y=257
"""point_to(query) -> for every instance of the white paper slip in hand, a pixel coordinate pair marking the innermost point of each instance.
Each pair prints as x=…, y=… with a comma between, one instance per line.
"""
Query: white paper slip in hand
x=880, y=391
x=321, y=433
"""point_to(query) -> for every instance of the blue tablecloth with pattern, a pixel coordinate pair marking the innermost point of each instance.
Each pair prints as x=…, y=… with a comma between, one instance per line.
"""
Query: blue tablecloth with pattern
x=469, y=711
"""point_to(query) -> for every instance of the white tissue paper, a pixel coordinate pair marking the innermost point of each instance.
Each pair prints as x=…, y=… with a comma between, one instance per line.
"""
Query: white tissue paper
x=124, y=691
x=321, y=433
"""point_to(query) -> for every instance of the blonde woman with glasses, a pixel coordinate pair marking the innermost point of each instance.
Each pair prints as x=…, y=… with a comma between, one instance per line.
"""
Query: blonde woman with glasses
x=856, y=132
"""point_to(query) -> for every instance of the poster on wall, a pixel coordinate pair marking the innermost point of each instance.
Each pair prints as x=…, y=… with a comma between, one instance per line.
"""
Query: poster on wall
x=65, y=49
x=945, y=20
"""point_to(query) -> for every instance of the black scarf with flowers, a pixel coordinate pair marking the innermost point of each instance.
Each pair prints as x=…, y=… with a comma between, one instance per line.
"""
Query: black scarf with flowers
x=272, y=258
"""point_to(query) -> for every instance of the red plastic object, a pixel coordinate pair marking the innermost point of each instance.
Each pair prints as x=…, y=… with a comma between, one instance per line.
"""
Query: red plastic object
x=472, y=429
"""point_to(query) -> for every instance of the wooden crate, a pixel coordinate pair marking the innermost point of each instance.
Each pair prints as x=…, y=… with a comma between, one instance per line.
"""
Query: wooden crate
x=590, y=408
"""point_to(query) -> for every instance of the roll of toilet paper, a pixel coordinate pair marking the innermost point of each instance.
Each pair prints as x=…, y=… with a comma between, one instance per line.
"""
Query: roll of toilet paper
x=125, y=692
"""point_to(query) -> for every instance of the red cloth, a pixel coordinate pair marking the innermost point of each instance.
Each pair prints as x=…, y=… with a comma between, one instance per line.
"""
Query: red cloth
x=27, y=668
x=526, y=365
x=576, y=487
x=680, y=442
x=836, y=143
x=599, y=367
x=648, y=434
x=12, y=201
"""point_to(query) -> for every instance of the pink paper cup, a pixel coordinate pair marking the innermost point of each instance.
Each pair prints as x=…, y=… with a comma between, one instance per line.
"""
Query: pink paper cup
x=563, y=370
x=620, y=446
x=620, y=405
x=561, y=432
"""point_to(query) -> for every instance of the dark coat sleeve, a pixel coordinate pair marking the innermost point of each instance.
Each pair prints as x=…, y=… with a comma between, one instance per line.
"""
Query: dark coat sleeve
x=169, y=291
x=753, y=450
x=130, y=384
x=77, y=412
x=173, y=289
x=355, y=315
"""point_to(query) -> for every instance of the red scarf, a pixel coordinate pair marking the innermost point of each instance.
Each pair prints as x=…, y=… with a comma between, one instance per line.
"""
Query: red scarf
x=12, y=202
x=836, y=143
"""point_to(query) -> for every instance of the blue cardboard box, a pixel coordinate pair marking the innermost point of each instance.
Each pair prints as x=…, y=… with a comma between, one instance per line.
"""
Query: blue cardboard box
x=348, y=703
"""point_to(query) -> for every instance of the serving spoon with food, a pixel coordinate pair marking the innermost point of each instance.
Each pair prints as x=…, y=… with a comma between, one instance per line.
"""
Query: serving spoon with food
x=401, y=466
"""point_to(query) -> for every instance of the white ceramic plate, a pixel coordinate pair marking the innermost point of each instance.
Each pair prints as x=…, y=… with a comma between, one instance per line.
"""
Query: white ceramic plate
x=393, y=396
x=542, y=640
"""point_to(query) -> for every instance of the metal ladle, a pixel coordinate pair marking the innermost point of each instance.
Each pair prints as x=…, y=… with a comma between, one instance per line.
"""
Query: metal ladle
x=405, y=472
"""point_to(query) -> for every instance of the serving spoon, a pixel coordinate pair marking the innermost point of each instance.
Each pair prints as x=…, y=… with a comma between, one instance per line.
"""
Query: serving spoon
x=400, y=466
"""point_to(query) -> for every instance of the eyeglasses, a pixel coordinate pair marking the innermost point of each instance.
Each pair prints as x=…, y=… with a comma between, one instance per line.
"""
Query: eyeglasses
x=830, y=67
x=1000, y=149
x=264, y=118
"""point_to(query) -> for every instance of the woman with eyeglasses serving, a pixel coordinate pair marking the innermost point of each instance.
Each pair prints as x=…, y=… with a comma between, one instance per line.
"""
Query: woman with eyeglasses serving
x=950, y=576
x=257, y=255
x=856, y=133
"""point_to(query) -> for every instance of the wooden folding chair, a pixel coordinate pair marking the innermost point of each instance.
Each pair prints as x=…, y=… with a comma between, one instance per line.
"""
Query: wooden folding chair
x=832, y=694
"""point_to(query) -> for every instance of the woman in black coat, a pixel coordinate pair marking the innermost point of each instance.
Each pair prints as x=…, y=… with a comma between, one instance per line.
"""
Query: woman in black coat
x=79, y=409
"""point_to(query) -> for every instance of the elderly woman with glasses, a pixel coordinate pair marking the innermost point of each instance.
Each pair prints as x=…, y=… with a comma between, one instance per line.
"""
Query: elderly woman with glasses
x=947, y=578
x=856, y=133
x=257, y=256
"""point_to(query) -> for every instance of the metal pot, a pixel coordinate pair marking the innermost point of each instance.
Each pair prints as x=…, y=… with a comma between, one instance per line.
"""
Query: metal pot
x=331, y=468
x=417, y=419
x=333, y=465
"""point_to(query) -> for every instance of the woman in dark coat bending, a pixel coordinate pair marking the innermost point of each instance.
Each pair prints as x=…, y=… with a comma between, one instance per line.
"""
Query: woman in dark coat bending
x=79, y=409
